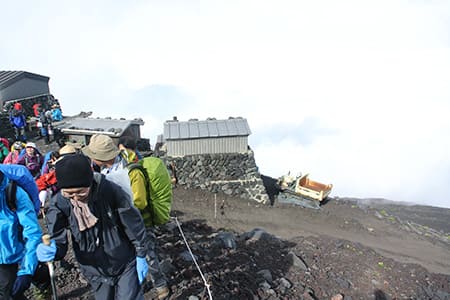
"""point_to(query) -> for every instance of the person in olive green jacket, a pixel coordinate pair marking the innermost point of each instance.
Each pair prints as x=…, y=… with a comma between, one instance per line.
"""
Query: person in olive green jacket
x=137, y=179
x=127, y=146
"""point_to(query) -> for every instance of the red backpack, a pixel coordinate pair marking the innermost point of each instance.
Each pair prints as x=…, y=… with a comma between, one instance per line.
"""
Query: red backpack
x=5, y=142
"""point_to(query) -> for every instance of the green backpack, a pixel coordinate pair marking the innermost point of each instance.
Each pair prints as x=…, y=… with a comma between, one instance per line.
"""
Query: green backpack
x=159, y=187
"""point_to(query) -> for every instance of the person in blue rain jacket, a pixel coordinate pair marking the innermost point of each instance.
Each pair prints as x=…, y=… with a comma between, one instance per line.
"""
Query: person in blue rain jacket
x=20, y=235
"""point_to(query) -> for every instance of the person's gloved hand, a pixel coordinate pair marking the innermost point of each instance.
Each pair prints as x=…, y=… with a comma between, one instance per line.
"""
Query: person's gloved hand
x=141, y=268
x=21, y=284
x=46, y=253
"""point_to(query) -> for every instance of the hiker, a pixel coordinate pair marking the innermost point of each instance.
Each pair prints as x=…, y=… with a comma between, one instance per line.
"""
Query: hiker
x=14, y=155
x=105, y=155
x=173, y=173
x=45, y=119
x=46, y=183
x=107, y=231
x=5, y=142
x=32, y=159
x=127, y=144
x=18, y=121
x=18, y=246
x=36, y=109
x=56, y=113
x=22, y=177
x=3, y=151
x=51, y=157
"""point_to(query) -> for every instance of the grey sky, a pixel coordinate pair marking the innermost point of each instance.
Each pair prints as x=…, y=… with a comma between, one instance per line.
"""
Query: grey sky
x=356, y=93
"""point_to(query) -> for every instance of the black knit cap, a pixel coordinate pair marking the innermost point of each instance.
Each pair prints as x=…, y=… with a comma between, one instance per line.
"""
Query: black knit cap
x=74, y=171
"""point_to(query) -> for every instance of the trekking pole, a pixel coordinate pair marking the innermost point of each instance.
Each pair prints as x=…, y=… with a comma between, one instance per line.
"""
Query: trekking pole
x=51, y=268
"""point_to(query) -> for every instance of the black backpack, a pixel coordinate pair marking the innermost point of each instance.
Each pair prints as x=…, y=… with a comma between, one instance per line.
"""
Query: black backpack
x=10, y=193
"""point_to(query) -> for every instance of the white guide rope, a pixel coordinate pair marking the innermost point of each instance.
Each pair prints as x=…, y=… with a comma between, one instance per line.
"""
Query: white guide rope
x=207, y=285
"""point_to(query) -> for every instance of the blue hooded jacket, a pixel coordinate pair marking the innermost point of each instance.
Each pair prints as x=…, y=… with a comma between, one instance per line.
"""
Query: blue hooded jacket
x=23, y=177
x=18, y=120
x=57, y=114
x=18, y=247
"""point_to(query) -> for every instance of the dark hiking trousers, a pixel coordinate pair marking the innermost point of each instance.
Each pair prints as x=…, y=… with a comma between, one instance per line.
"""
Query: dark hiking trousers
x=157, y=277
x=126, y=286
x=8, y=275
x=20, y=134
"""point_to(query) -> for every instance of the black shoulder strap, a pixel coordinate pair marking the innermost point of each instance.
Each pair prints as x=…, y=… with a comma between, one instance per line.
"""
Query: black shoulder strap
x=133, y=166
x=11, y=190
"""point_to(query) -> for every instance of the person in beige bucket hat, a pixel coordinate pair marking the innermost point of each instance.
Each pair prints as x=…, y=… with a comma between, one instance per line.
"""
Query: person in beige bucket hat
x=67, y=150
x=106, y=155
x=102, y=148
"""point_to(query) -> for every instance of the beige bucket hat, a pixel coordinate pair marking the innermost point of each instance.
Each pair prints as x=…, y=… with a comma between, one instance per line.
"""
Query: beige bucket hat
x=67, y=149
x=101, y=147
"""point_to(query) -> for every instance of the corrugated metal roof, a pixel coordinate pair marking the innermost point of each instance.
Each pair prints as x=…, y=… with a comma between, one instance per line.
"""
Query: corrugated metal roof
x=112, y=127
x=175, y=130
x=9, y=77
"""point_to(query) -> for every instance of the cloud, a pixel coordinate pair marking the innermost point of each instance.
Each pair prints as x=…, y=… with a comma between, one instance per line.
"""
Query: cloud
x=354, y=92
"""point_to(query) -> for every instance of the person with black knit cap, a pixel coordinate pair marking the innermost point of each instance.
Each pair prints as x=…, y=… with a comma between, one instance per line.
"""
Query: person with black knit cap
x=107, y=231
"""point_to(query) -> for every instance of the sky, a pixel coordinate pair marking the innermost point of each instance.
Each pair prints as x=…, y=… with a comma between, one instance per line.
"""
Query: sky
x=356, y=93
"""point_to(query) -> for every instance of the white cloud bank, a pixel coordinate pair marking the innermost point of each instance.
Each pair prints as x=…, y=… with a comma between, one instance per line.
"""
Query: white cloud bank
x=356, y=93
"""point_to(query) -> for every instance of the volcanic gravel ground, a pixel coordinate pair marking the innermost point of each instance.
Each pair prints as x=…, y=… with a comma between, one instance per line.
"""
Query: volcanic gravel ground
x=349, y=249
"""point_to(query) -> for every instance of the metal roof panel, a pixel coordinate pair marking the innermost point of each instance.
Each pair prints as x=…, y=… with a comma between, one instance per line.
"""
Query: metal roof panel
x=207, y=128
x=232, y=127
x=184, y=130
x=114, y=127
x=242, y=127
x=213, y=130
x=174, y=131
x=194, y=131
x=203, y=129
x=222, y=128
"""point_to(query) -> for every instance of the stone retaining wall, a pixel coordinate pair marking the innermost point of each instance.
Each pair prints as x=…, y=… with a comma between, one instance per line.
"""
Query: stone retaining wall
x=233, y=174
x=6, y=130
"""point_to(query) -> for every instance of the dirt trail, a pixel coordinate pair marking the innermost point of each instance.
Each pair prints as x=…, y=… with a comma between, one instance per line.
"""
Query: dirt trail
x=340, y=219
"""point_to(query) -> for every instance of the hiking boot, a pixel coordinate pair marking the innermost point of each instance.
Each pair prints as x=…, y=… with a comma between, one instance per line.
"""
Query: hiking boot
x=162, y=292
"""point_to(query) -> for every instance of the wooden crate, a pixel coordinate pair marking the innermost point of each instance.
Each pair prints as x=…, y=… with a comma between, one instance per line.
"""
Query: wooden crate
x=312, y=189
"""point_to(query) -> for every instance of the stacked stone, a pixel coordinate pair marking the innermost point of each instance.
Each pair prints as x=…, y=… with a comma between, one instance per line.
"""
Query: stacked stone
x=234, y=174
x=46, y=102
x=6, y=130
